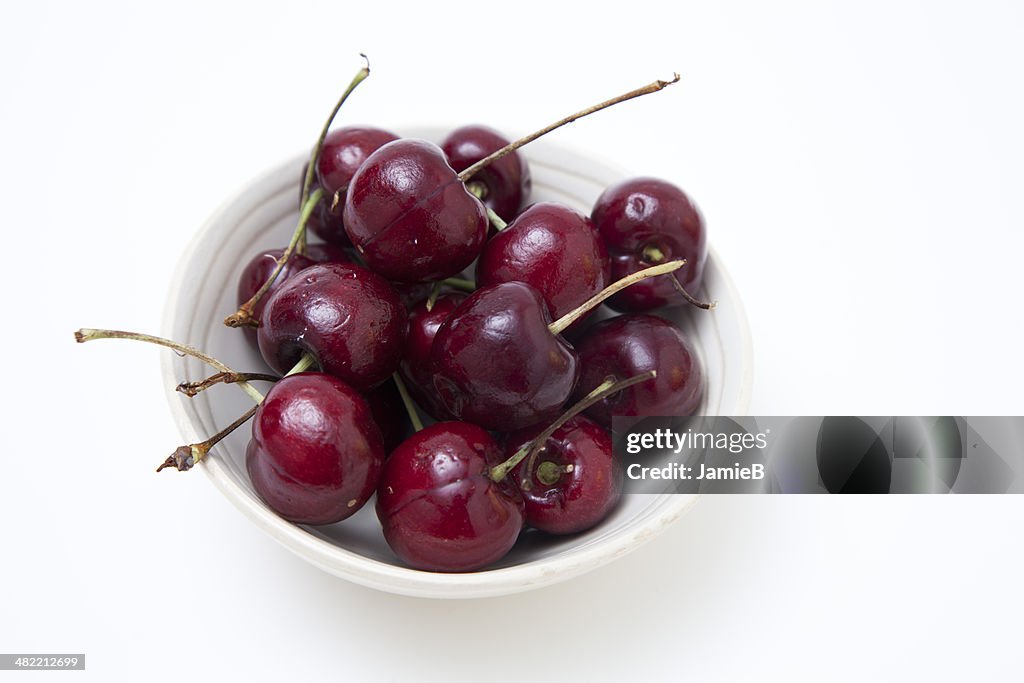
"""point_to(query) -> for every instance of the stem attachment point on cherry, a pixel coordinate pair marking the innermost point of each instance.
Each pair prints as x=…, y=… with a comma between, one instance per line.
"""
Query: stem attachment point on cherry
x=600, y=392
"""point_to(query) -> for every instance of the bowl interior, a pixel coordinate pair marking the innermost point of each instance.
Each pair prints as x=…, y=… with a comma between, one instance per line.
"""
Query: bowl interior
x=263, y=216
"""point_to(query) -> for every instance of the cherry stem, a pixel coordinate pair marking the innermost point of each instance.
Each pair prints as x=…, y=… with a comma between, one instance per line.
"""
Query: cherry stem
x=305, y=363
x=460, y=284
x=653, y=254
x=496, y=220
x=575, y=314
x=243, y=316
x=88, y=334
x=410, y=407
x=314, y=157
x=600, y=392
x=550, y=472
x=185, y=457
x=435, y=291
x=513, y=146
x=192, y=389
x=479, y=190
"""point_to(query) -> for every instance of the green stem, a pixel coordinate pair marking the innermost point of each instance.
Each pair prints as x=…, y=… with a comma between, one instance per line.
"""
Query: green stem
x=307, y=182
x=496, y=220
x=460, y=283
x=435, y=291
x=305, y=363
x=88, y=334
x=243, y=316
x=410, y=406
x=600, y=392
x=575, y=314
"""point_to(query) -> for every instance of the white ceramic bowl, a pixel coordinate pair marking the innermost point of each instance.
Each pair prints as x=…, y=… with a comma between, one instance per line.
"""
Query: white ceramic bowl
x=262, y=216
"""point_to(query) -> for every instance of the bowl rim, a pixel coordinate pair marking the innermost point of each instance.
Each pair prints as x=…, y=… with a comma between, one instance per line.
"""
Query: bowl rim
x=379, y=575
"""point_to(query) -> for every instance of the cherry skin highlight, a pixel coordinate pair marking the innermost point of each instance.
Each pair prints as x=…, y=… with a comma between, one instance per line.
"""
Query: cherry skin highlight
x=315, y=455
x=631, y=345
x=348, y=318
x=567, y=502
x=496, y=363
x=506, y=183
x=439, y=508
x=409, y=215
x=553, y=248
x=415, y=367
x=343, y=152
x=646, y=221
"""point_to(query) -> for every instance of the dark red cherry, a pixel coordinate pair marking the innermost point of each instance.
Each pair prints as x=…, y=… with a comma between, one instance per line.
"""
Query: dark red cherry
x=439, y=507
x=343, y=152
x=496, y=363
x=553, y=248
x=328, y=253
x=410, y=216
x=644, y=222
x=630, y=345
x=415, y=367
x=347, y=317
x=315, y=455
x=505, y=184
x=575, y=480
x=259, y=269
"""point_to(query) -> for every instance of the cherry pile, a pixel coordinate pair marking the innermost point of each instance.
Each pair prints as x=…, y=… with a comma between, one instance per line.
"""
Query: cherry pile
x=440, y=288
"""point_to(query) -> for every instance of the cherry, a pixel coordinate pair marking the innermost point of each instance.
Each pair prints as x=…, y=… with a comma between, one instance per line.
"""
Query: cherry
x=502, y=186
x=343, y=152
x=636, y=343
x=410, y=214
x=263, y=264
x=425, y=319
x=349, y=319
x=499, y=361
x=646, y=221
x=496, y=363
x=316, y=454
x=259, y=269
x=439, y=508
x=577, y=479
x=553, y=248
x=410, y=217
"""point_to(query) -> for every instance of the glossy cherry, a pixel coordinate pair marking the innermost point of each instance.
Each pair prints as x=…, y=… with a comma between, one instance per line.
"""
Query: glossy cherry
x=315, y=455
x=496, y=363
x=630, y=345
x=415, y=368
x=646, y=221
x=409, y=215
x=574, y=481
x=348, y=318
x=343, y=152
x=259, y=269
x=504, y=185
x=553, y=248
x=439, y=508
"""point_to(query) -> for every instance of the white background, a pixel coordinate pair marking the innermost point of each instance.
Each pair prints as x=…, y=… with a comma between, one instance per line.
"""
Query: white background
x=860, y=168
